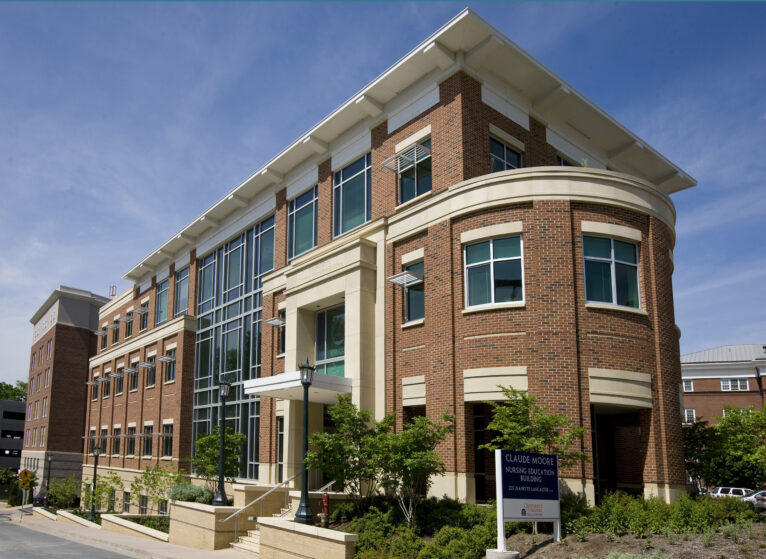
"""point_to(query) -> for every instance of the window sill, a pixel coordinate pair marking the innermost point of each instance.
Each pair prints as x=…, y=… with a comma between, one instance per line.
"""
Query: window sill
x=415, y=200
x=147, y=457
x=170, y=381
x=166, y=458
x=150, y=386
x=611, y=307
x=411, y=323
x=115, y=455
x=280, y=356
x=495, y=306
x=133, y=390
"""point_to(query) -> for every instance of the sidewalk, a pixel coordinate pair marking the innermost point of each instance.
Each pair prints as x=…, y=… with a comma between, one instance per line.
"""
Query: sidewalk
x=131, y=546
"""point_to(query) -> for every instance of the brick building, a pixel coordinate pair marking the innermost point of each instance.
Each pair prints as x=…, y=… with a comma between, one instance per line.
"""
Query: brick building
x=714, y=379
x=466, y=220
x=62, y=342
x=140, y=383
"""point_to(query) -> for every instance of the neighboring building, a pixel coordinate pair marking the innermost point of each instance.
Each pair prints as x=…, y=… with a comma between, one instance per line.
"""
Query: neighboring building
x=432, y=238
x=62, y=342
x=141, y=380
x=730, y=375
x=11, y=433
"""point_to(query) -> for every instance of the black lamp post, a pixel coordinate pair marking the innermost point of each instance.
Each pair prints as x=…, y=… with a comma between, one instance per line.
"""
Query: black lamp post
x=96, y=452
x=220, y=499
x=304, y=514
x=48, y=482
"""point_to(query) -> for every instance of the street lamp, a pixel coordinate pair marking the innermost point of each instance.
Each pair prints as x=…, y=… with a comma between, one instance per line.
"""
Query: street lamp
x=220, y=496
x=96, y=452
x=304, y=514
x=48, y=482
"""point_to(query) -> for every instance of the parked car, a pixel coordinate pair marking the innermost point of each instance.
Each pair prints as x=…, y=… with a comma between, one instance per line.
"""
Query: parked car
x=40, y=499
x=757, y=498
x=719, y=492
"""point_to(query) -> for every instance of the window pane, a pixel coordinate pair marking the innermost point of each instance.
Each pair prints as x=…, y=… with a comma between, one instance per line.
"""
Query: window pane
x=513, y=158
x=599, y=247
x=235, y=269
x=508, y=281
x=304, y=229
x=507, y=248
x=477, y=253
x=415, y=304
x=627, y=285
x=407, y=184
x=335, y=369
x=266, y=256
x=304, y=198
x=336, y=332
x=424, y=176
x=354, y=168
x=598, y=281
x=497, y=165
x=626, y=252
x=207, y=283
x=478, y=285
x=496, y=148
x=353, y=205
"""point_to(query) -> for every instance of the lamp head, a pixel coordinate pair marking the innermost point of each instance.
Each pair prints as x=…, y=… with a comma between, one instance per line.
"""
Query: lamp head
x=224, y=388
x=307, y=373
x=96, y=450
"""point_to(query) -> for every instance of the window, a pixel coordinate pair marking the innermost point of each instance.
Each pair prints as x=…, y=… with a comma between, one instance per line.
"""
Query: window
x=115, y=332
x=37, y=408
x=493, y=272
x=182, y=292
x=689, y=416
x=281, y=333
x=131, y=441
x=134, y=378
x=161, y=314
x=206, y=283
x=42, y=436
x=47, y=377
x=39, y=376
x=48, y=349
x=116, y=441
x=414, y=171
x=143, y=504
x=92, y=440
x=144, y=321
x=563, y=162
x=32, y=363
x=45, y=407
x=351, y=195
x=104, y=441
x=26, y=438
x=103, y=341
x=120, y=382
x=151, y=373
x=611, y=271
x=34, y=437
x=503, y=157
x=330, y=341
x=163, y=506
x=688, y=386
x=110, y=503
x=301, y=223
x=125, y=501
x=107, y=387
x=94, y=390
x=414, y=296
x=734, y=384
x=167, y=440
x=129, y=325
x=280, y=448
x=148, y=435
x=170, y=366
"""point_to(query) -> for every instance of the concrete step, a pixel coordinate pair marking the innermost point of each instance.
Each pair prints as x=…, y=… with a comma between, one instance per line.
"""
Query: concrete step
x=250, y=540
x=254, y=549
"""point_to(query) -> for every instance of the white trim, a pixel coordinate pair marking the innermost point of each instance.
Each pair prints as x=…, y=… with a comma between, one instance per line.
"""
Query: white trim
x=282, y=305
x=416, y=322
x=417, y=107
x=107, y=370
x=610, y=230
x=574, y=150
x=169, y=347
x=149, y=423
x=506, y=138
x=135, y=360
x=351, y=151
x=494, y=306
x=167, y=421
x=413, y=256
x=145, y=300
x=501, y=102
x=152, y=353
x=104, y=427
x=131, y=424
x=302, y=183
x=121, y=365
x=129, y=309
x=413, y=139
x=492, y=231
x=613, y=307
x=117, y=426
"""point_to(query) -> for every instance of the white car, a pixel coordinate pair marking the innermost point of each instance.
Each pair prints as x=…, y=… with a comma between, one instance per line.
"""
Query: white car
x=757, y=498
x=719, y=492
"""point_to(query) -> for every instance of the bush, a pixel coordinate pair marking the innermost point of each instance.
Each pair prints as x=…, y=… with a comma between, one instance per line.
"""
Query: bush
x=374, y=529
x=344, y=512
x=161, y=523
x=63, y=493
x=406, y=544
x=191, y=494
x=14, y=495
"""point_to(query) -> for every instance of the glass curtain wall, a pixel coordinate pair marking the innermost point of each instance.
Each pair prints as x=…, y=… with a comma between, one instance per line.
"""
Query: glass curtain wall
x=229, y=335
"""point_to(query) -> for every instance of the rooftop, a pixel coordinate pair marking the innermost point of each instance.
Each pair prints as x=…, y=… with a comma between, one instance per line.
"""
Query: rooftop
x=727, y=354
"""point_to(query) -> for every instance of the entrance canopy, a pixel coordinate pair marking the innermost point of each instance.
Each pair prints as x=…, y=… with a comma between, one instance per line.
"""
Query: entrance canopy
x=324, y=389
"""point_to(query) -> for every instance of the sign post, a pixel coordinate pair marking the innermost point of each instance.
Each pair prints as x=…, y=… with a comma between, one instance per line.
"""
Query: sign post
x=527, y=486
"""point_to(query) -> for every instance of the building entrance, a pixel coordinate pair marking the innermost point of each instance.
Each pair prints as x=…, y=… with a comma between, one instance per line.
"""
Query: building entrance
x=619, y=451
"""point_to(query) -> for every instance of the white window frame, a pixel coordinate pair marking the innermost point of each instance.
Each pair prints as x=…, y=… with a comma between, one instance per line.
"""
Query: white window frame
x=613, y=269
x=690, y=384
x=158, y=297
x=506, y=148
x=292, y=209
x=181, y=281
x=337, y=194
x=693, y=416
x=728, y=384
x=416, y=162
x=491, y=261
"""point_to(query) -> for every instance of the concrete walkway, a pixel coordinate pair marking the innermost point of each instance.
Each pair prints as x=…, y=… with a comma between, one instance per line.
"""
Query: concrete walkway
x=129, y=546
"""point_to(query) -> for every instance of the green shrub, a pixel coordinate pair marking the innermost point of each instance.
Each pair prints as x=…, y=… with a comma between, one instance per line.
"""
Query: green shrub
x=344, y=512
x=374, y=529
x=63, y=493
x=406, y=544
x=161, y=523
x=190, y=494
x=14, y=495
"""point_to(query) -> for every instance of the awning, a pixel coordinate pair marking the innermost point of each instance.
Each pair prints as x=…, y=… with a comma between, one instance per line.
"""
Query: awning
x=287, y=386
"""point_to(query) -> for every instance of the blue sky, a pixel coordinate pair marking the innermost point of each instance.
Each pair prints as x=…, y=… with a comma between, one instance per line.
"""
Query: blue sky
x=120, y=123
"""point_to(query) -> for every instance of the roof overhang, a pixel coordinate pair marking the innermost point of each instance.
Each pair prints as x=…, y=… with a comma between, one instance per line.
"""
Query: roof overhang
x=324, y=389
x=68, y=293
x=469, y=43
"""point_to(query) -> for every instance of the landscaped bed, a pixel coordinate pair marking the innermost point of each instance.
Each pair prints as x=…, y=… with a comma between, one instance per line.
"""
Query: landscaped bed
x=161, y=523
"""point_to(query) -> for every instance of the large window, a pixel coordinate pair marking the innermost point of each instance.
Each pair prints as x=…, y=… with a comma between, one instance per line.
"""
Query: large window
x=414, y=171
x=170, y=366
x=689, y=415
x=494, y=272
x=167, y=440
x=734, y=384
x=503, y=157
x=611, y=271
x=131, y=442
x=144, y=321
x=351, y=195
x=233, y=272
x=119, y=382
x=105, y=391
x=115, y=332
x=688, y=385
x=206, y=283
x=162, y=302
x=301, y=223
x=117, y=433
x=148, y=436
x=151, y=372
x=129, y=325
x=414, y=295
x=330, y=341
x=134, y=378
x=181, y=305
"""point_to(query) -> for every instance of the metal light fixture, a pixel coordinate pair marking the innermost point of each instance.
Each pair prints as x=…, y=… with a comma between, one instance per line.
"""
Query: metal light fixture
x=126, y=318
x=224, y=387
x=275, y=321
x=141, y=310
x=130, y=370
x=96, y=451
x=166, y=359
x=304, y=514
x=118, y=374
x=145, y=365
x=100, y=333
x=48, y=481
x=91, y=383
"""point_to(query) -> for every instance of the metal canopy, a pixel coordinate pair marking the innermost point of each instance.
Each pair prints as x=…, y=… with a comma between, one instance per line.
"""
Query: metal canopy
x=287, y=386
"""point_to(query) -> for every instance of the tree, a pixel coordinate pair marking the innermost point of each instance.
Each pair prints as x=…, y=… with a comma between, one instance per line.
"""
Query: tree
x=156, y=483
x=206, y=453
x=63, y=493
x=732, y=452
x=409, y=460
x=106, y=486
x=351, y=454
x=16, y=393
x=696, y=438
x=520, y=424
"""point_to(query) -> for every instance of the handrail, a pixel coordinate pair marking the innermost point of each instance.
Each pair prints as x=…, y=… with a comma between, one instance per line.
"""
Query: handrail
x=280, y=484
x=325, y=487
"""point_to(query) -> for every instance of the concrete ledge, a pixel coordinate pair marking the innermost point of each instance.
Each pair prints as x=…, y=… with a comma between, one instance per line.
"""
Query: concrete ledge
x=199, y=526
x=74, y=519
x=41, y=512
x=121, y=525
x=284, y=539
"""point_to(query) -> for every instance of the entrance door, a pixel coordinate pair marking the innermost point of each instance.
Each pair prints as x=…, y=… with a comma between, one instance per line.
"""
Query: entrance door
x=619, y=453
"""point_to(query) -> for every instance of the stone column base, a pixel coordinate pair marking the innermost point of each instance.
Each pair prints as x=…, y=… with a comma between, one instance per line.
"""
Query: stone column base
x=496, y=554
